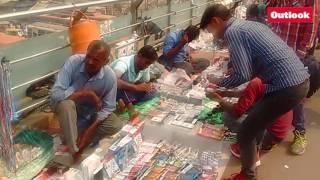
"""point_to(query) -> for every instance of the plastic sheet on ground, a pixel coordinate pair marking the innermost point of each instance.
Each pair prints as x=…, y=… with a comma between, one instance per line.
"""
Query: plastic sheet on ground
x=143, y=107
x=31, y=161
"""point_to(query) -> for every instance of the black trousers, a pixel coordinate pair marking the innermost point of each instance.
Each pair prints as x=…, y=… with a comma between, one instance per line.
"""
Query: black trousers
x=261, y=116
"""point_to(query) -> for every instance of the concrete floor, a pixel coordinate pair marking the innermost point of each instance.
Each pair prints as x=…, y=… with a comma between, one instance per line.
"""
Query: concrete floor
x=280, y=164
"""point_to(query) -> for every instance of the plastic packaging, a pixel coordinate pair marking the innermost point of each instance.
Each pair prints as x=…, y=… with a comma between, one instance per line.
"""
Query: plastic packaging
x=35, y=150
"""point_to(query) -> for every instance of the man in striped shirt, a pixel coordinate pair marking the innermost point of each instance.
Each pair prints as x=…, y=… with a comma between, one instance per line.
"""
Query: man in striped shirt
x=253, y=48
x=301, y=37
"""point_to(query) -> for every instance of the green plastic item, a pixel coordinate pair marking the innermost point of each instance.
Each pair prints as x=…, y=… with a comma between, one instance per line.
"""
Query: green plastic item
x=143, y=107
x=207, y=116
x=38, y=139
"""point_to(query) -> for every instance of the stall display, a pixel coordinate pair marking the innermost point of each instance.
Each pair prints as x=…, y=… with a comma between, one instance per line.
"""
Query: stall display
x=204, y=42
x=165, y=161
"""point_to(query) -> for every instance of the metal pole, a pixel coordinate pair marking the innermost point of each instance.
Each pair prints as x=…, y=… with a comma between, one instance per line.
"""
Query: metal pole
x=155, y=18
x=23, y=14
x=116, y=30
x=38, y=54
x=39, y=103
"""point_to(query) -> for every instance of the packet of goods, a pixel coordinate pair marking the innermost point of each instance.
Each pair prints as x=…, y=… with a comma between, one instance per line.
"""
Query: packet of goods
x=211, y=131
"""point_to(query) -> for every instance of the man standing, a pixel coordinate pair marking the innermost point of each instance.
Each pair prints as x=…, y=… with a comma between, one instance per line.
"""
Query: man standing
x=234, y=114
x=133, y=76
x=301, y=37
x=253, y=44
x=175, y=51
x=84, y=98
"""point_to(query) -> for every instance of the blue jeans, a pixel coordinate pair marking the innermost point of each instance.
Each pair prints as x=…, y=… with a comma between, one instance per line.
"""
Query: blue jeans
x=298, y=117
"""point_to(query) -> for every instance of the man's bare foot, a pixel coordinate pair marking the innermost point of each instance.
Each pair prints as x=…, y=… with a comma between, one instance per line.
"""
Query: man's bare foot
x=121, y=106
x=132, y=112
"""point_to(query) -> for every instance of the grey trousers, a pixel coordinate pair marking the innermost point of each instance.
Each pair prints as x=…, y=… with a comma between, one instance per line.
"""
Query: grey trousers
x=67, y=115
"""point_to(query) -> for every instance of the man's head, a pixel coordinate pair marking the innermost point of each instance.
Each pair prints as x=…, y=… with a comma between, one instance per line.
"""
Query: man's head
x=145, y=57
x=97, y=56
x=214, y=19
x=192, y=32
x=252, y=11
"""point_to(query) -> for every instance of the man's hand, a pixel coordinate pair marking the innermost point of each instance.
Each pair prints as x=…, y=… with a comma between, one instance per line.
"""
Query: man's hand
x=230, y=72
x=85, y=138
x=214, y=96
x=185, y=39
x=223, y=93
x=97, y=101
x=145, y=87
x=87, y=94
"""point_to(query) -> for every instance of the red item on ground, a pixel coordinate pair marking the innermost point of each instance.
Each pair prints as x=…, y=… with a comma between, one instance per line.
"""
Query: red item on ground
x=239, y=176
x=211, y=131
x=135, y=121
x=252, y=94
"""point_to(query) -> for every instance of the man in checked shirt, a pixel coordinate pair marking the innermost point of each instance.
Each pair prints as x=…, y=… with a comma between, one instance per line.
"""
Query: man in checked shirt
x=255, y=51
x=300, y=37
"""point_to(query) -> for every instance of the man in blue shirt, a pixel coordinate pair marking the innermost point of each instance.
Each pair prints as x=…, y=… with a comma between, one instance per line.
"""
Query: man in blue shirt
x=252, y=44
x=175, y=51
x=84, y=98
x=133, y=74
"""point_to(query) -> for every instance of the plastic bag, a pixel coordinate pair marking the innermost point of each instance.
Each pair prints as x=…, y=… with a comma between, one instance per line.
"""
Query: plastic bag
x=40, y=142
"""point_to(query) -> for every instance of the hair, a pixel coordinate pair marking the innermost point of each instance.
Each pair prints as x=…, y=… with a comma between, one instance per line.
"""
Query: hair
x=192, y=32
x=99, y=44
x=148, y=52
x=252, y=11
x=217, y=10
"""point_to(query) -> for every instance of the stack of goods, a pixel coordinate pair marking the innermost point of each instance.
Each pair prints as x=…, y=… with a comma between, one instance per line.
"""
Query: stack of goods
x=177, y=78
x=165, y=161
x=204, y=42
x=176, y=113
x=211, y=131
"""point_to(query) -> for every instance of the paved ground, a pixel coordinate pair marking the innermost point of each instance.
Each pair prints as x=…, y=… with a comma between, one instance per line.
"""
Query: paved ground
x=280, y=164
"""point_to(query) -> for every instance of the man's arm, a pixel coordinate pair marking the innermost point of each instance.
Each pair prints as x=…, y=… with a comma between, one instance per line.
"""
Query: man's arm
x=124, y=85
x=108, y=106
x=226, y=106
x=169, y=48
x=62, y=89
x=251, y=94
x=240, y=57
x=230, y=93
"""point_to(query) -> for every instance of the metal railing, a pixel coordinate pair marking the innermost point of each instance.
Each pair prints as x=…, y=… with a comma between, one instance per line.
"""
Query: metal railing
x=23, y=14
x=82, y=5
x=113, y=31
